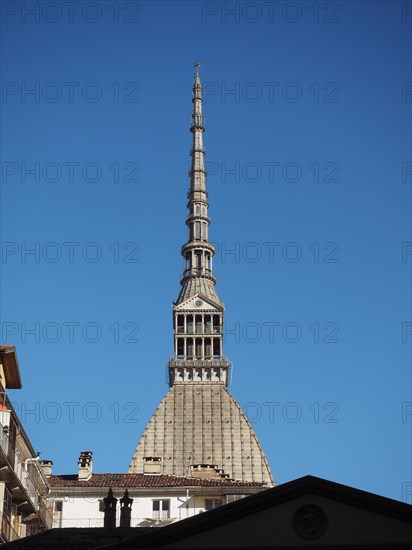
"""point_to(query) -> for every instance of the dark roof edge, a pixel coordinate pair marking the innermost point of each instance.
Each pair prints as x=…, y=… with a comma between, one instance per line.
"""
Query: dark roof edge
x=254, y=503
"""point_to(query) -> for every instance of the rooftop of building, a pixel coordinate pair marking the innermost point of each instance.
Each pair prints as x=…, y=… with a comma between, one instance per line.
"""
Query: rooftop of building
x=143, y=480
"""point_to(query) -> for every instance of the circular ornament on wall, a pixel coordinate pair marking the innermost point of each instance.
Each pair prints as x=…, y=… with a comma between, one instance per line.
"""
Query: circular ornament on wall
x=309, y=522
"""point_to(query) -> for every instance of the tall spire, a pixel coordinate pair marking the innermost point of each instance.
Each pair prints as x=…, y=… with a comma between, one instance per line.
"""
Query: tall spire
x=197, y=252
x=198, y=429
x=198, y=312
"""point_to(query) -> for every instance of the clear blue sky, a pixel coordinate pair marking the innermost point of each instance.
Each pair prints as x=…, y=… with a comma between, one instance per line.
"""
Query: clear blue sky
x=317, y=131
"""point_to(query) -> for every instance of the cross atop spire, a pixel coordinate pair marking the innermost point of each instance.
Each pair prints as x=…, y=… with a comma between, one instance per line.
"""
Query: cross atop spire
x=197, y=65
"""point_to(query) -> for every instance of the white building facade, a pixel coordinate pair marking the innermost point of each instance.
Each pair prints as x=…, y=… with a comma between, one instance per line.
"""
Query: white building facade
x=78, y=500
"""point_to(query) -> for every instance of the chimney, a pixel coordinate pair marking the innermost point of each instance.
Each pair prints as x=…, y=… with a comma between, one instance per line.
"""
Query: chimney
x=110, y=503
x=85, y=466
x=125, y=509
x=46, y=466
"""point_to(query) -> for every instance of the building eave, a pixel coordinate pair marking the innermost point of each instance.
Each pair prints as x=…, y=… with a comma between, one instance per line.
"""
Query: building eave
x=8, y=358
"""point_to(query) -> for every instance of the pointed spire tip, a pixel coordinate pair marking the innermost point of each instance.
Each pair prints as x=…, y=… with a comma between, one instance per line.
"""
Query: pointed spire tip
x=197, y=65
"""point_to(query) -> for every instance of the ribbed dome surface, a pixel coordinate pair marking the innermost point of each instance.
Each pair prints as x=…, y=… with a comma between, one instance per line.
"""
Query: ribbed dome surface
x=202, y=424
x=199, y=286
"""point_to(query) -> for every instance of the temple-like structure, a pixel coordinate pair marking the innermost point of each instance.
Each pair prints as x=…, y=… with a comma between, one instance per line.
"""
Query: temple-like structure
x=199, y=429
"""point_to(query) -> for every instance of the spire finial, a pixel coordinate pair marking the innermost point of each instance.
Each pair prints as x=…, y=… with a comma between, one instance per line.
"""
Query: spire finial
x=197, y=65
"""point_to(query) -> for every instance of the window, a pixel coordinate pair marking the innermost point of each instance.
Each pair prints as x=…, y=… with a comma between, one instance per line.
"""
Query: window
x=198, y=348
x=58, y=514
x=216, y=348
x=208, y=324
x=208, y=348
x=180, y=324
x=189, y=324
x=189, y=348
x=161, y=509
x=211, y=503
x=198, y=320
x=198, y=256
x=180, y=348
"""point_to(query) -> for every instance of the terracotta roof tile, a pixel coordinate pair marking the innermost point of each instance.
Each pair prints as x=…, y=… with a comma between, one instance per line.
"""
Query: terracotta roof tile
x=143, y=480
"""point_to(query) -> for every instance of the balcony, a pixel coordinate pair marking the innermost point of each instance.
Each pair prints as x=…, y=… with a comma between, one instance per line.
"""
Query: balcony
x=198, y=272
x=207, y=330
x=196, y=124
x=7, y=530
x=199, y=362
x=197, y=150
x=46, y=515
x=213, y=330
x=14, y=470
x=98, y=522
